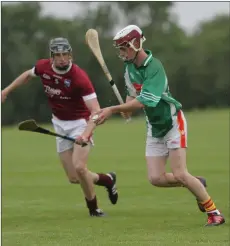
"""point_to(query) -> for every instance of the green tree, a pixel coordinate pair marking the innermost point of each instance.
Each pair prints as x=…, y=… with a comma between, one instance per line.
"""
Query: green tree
x=197, y=66
x=209, y=57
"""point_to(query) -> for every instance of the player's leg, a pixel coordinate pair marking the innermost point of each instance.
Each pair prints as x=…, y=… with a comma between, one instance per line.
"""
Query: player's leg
x=177, y=143
x=74, y=159
x=80, y=158
x=101, y=179
x=157, y=175
x=107, y=180
x=65, y=150
x=66, y=160
x=156, y=157
x=177, y=159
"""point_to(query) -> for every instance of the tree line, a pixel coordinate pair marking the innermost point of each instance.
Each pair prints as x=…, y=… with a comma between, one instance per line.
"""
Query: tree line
x=197, y=64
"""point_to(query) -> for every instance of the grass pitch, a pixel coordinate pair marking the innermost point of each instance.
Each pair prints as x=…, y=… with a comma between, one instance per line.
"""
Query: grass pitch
x=40, y=207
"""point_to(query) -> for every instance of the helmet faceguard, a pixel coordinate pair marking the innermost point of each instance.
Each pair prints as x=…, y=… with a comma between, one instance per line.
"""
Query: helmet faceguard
x=60, y=45
x=126, y=38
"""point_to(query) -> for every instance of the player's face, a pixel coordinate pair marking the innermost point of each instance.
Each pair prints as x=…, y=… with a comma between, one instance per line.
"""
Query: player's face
x=126, y=53
x=61, y=60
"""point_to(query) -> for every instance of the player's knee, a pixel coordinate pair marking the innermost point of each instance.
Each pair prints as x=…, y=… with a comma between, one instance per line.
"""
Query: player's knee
x=73, y=180
x=181, y=177
x=80, y=170
x=155, y=180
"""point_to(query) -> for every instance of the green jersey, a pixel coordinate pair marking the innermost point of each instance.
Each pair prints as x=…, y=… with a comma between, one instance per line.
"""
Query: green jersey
x=149, y=85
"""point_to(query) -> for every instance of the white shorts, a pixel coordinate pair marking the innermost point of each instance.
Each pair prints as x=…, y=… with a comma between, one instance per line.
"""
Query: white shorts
x=174, y=139
x=71, y=128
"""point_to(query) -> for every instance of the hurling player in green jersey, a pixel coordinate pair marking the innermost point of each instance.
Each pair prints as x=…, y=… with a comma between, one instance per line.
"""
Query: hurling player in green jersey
x=147, y=88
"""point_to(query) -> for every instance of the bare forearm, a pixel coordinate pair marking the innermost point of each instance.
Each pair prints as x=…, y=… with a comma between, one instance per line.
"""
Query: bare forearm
x=95, y=110
x=128, y=99
x=127, y=107
x=93, y=107
x=20, y=80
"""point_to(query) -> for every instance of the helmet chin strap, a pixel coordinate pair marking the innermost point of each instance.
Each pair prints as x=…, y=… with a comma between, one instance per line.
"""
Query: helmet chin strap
x=141, y=44
x=136, y=49
x=135, y=57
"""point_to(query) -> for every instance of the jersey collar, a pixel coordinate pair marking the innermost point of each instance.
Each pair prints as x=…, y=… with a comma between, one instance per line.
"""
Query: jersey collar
x=148, y=59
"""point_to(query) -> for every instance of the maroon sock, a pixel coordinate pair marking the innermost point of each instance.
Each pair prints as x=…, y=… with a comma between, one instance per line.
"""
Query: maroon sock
x=92, y=204
x=104, y=180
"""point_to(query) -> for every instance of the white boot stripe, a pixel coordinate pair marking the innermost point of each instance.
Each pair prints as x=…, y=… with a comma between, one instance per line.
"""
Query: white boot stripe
x=108, y=174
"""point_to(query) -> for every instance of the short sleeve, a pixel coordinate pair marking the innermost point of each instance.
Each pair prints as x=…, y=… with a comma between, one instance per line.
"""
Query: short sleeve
x=153, y=87
x=32, y=72
x=37, y=69
x=85, y=85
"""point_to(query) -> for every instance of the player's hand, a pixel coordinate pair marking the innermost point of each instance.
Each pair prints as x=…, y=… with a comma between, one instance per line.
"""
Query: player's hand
x=125, y=115
x=103, y=115
x=4, y=95
x=82, y=140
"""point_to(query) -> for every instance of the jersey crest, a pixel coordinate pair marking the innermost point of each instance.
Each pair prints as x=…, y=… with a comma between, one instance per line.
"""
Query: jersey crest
x=137, y=87
x=133, y=88
x=67, y=82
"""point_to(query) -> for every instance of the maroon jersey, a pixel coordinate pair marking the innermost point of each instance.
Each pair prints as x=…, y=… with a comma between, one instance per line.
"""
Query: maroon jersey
x=66, y=92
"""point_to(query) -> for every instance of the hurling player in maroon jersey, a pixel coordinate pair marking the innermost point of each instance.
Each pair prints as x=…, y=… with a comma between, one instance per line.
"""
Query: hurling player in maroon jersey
x=72, y=99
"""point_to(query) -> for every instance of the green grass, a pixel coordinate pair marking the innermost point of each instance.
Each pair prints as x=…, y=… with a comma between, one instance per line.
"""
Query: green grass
x=39, y=206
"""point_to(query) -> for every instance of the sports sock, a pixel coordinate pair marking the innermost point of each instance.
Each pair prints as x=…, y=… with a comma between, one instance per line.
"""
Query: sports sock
x=91, y=204
x=104, y=180
x=209, y=206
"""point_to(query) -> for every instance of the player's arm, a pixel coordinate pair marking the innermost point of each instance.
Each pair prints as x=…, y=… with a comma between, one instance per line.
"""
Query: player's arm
x=88, y=93
x=128, y=99
x=19, y=81
x=151, y=92
x=90, y=98
x=152, y=89
x=103, y=114
x=150, y=95
x=127, y=107
x=92, y=104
